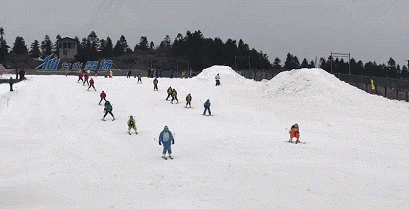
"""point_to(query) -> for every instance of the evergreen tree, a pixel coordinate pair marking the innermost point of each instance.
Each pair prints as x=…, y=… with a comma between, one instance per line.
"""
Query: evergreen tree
x=4, y=48
x=35, y=50
x=151, y=45
x=311, y=65
x=19, y=46
x=304, y=64
x=276, y=63
x=124, y=45
x=404, y=73
x=55, y=46
x=143, y=43
x=118, y=51
x=166, y=42
x=92, y=45
x=101, y=47
x=46, y=47
x=291, y=62
x=107, y=48
x=179, y=45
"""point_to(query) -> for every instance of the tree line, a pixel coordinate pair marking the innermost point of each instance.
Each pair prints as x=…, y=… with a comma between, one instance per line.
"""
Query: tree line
x=198, y=51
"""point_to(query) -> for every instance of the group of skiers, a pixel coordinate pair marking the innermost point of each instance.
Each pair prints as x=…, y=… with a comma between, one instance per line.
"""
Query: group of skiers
x=166, y=138
x=86, y=75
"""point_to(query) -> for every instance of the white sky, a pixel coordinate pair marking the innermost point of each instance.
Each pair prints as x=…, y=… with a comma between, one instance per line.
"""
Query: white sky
x=57, y=153
x=369, y=30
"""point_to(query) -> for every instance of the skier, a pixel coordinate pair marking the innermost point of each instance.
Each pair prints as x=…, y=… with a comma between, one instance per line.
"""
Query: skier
x=91, y=84
x=217, y=79
x=131, y=124
x=155, y=84
x=80, y=75
x=139, y=77
x=166, y=138
x=102, y=95
x=11, y=82
x=129, y=74
x=169, y=93
x=134, y=74
x=171, y=73
x=174, y=96
x=188, y=100
x=295, y=133
x=86, y=76
x=207, y=107
x=108, y=109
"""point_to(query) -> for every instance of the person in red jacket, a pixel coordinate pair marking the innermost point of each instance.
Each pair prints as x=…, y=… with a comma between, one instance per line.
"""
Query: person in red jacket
x=86, y=76
x=295, y=133
x=102, y=95
x=91, y=84
x=80, y=75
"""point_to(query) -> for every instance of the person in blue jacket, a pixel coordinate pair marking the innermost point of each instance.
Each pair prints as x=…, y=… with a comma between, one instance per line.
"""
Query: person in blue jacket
x=207, y=107
x=11, y=83
x=166, y=138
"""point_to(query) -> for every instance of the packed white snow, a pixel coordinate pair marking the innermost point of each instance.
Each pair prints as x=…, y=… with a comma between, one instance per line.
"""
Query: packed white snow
x=56, y=152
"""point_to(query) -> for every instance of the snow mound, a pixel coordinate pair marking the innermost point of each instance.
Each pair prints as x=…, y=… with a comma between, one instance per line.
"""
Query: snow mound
x=227, y=74
x=310, y=83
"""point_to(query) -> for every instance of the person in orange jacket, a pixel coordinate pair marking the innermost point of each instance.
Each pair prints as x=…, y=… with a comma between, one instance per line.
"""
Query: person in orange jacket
x=295, y=133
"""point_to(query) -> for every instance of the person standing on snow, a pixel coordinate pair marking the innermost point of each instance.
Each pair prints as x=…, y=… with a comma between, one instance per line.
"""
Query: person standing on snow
x=169, y=93
x=86, y=76
x=108, y=109
x=171, y=73
x=139, y=77
x=80, y=75
x=188, y=100
x=131, y=124
x=217, y=79
x=91, y=84
x=11, y=82
x=166, y=138
x=207, y=107
x=155, y=84
x=174, y=96
x=129, y=74
x=102, y=95
x=295, y=133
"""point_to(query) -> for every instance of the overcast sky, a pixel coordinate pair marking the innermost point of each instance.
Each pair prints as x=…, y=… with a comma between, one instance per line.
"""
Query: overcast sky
x=369, y=30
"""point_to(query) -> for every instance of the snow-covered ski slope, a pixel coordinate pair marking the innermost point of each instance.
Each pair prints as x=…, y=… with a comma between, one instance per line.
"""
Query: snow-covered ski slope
x=56, y=152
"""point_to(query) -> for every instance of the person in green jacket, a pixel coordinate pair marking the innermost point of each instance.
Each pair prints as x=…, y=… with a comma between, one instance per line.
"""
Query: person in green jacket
x=131, y=124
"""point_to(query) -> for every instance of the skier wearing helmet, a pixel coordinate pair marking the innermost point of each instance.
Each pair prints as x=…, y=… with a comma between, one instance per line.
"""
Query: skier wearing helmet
x=131, y=124
x=295, y=133
x=166, y=138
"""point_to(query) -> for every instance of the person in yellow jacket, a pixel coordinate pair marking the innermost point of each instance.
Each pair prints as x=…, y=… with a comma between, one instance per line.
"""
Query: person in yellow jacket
x=373, y=85
x=131, y=124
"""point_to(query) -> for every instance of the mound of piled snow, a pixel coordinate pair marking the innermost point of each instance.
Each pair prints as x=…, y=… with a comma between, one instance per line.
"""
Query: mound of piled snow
x=227, y=74
x=310, y=84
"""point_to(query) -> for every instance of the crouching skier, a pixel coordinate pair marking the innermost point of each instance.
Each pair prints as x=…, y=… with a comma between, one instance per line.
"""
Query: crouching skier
x=166, y=138
x=131, y=124
x=295, y=133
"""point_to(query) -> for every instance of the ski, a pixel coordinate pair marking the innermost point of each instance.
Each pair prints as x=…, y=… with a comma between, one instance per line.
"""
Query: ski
x=295, y=142
x=171, y=157
x=164, y=157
